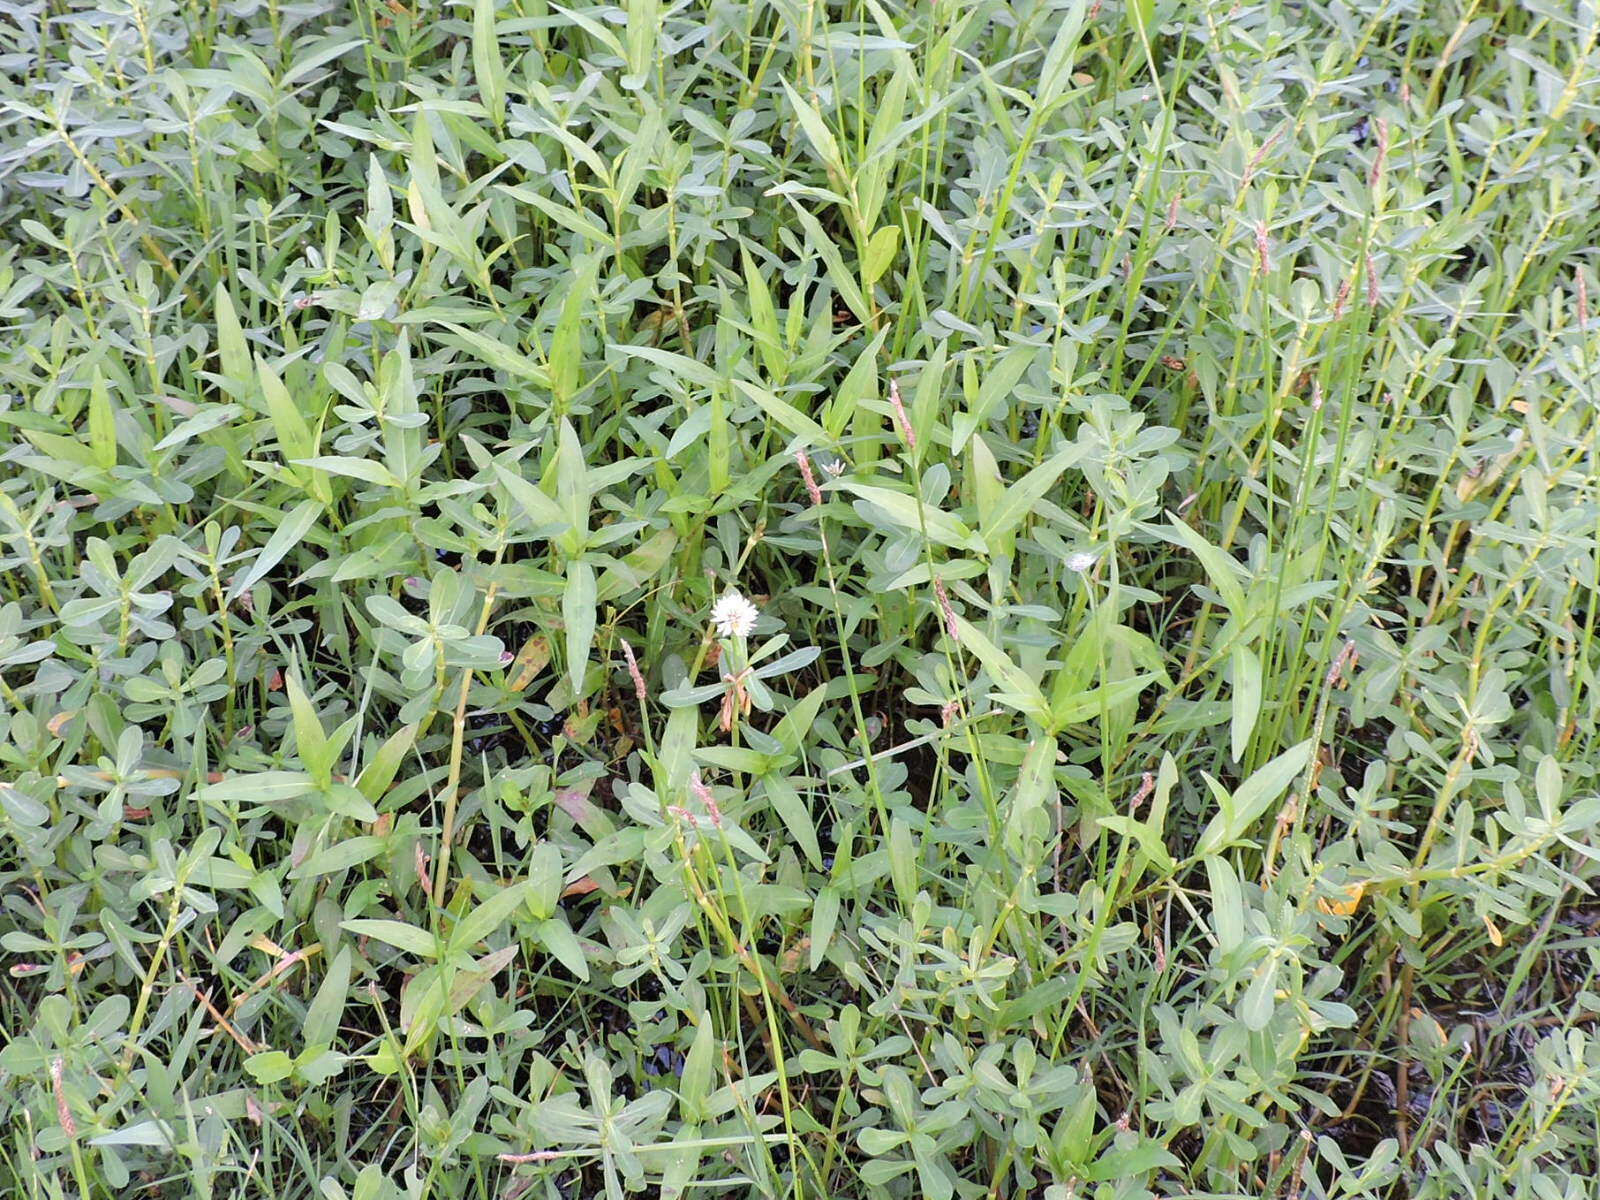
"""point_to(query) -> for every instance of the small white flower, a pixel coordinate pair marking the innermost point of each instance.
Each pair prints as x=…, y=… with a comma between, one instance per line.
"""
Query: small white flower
x=1081, y=562
x=733, y=615
x=834, y=467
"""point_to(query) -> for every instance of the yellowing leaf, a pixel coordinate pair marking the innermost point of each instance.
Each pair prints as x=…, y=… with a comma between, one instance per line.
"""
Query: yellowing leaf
x=1349, y=901
x=530, y=660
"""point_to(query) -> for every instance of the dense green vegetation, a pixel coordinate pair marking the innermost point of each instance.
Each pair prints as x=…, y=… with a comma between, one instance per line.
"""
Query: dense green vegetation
x=1155, y=444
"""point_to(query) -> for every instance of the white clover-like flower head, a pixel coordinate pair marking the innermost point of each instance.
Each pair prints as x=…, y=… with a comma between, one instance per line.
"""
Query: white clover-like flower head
x=1081, y=562
x=733, y=615
x=834, y=467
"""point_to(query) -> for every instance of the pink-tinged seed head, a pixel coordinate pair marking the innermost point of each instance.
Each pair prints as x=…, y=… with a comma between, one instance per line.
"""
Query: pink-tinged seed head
x=1257, y=159
x=811, y=482
x=63, y=1109
x=1147, y=785
x=908, y=433
x=946, y=609
x=634, y=673
x=703, y=794
x=421, y=863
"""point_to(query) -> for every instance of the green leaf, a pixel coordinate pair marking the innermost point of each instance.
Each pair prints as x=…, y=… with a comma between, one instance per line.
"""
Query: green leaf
x=321, y=1026
x=488, y=917
x=1021, y=497
x=270, y=1066
x=285, y=538
x=102, y=423
x=764, y=320
x=986, y=482
x=558, y=939
x=796, y=723
x=379, y=772
x=1056, y=72
x=1253, y=797
x=574, y=219
x=346, y=801
x=694, y=1087
x=579, y=608
x=881, y=249
x=643, y=36
x=295, y=439
x=1220, y=568
x=261, y=787
x=824, y=920
x=469, y=983
x=543, y=510
x=1141, y=13
x=906, y=512
x=903, y=859
x=1042, y=997
x=1090, y=705
x=931, y=1172
x=1133, y=1162
x=566, y=344
x=816, y=131
x=786, y=414
x=316, y=56
x=998, y=382
x=680, y=365
x=237, y=364
x=311, y=742
x=318, y=1064
x=357, y=468
x=499, y=355
x=1029, y=808
x=1247, y=687
x=1027, y=695
x=795, y=815
x=572, y=477
x=1255, y=1010
x=544, y=880
x=21, y=808
x=878, y=1142
x=843, y=281
x=395, y=933
x=340, y=856
x=848, y=408
x=1147, y=839
x=486, y=62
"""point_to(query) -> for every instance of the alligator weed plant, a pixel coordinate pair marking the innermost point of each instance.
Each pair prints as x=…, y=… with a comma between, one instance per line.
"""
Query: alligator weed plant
x=865, y=599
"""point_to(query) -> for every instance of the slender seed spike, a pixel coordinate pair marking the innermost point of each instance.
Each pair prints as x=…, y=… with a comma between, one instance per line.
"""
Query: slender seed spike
x=908, y=433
